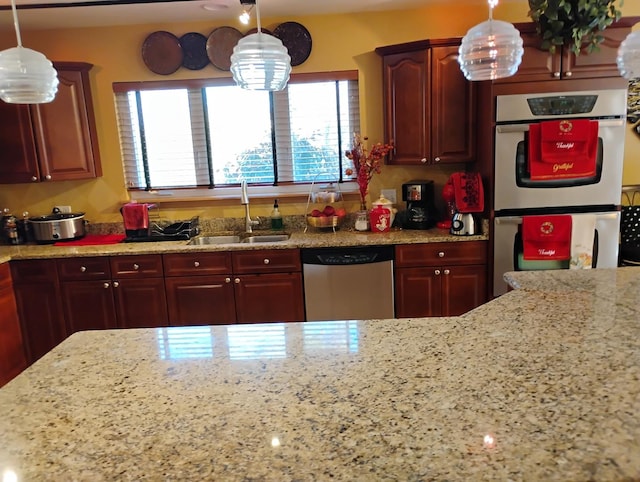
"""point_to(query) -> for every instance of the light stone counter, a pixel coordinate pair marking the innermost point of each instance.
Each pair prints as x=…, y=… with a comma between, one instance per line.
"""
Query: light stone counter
x=316, y=239
x=542, y=383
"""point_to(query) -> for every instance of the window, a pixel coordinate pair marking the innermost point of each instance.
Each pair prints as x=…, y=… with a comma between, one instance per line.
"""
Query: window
x=189, y=134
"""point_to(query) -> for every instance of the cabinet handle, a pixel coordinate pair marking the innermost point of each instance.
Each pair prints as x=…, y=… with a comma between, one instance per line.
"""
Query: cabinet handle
x=437, y=272
x=441, y=254
x=556, y=75
x=48, y=177
x=105, y=285
x=116, y=284
x=236, y=281
x=227, y=280
x=568, y=74
x=196, y=263
x=34, y=178
x=136, y=266
x=446, y=271
x=83, y=269
x=266, y=261
x=437, y=159
x=423, y=160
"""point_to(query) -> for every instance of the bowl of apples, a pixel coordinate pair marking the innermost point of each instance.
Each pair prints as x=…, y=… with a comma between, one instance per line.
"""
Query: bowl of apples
x=329, y=217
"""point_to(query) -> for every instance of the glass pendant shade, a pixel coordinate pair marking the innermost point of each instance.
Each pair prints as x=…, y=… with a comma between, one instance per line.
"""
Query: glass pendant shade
x=26, y=77
x=629, y=56
x=260, y=62
x=490, y=50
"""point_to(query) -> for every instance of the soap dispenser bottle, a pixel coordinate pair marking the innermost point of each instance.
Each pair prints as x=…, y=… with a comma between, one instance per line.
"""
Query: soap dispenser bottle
x=276, y=217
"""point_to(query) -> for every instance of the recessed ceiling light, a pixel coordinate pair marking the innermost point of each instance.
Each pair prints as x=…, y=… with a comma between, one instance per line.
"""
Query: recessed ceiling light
x=215, y=6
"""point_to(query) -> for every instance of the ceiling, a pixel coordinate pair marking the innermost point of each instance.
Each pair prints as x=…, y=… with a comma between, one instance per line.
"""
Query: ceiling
x=46, y=14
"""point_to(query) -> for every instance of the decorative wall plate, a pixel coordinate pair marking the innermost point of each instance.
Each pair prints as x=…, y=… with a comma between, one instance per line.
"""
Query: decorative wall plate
x=194, y=50
x=297, y=39
x=161, y=52
x=220, y=46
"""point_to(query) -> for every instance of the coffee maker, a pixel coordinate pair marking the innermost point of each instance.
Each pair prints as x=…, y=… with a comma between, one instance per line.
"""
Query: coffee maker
x=421, y=212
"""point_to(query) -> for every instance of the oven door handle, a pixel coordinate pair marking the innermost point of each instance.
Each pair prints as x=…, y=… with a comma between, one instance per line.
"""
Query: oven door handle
x=518, y=219
x=504, y=129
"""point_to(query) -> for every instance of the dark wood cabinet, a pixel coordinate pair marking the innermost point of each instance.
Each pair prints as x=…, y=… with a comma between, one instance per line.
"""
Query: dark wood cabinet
x=440, y=279
x=240, y=287
x=37, y=292
x=541, y=65
x=12, y=355
x=118, y=292
x=429, y=106
x=56, y=141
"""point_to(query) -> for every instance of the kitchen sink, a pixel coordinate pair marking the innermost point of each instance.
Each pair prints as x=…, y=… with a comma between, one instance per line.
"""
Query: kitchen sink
x=266, y=238
x=233, y=239
x=202, y=240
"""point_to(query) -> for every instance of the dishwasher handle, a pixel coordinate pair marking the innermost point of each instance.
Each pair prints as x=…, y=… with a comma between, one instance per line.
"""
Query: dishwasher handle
x=347, y=255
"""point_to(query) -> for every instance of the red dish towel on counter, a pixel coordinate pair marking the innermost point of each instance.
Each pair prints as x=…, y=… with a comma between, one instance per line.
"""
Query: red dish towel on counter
x=546, y=237
x=92, y=240
x=563, y=149
x=468, y=192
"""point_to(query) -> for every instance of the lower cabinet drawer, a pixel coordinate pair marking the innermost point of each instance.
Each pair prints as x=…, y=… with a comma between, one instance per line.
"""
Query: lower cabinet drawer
x=438, y=254
x=76, y=269
x=267, y=261
x=196, y=264
x=147, y=266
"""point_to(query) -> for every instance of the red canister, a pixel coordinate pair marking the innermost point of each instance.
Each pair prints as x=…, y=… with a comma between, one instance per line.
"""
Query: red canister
x=380, y=219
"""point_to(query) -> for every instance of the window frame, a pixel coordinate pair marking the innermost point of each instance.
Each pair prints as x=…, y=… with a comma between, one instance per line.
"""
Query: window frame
x=282, y=190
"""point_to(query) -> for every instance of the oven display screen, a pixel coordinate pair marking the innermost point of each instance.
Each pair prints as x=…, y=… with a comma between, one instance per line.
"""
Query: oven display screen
x=562, y=104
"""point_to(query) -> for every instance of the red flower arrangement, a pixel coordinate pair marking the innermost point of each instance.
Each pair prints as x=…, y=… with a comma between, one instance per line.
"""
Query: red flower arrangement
x=366, y=163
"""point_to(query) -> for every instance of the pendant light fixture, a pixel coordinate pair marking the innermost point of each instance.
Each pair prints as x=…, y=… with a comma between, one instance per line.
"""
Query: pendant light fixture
x=260, y=61
x=26, y=76
x=490, y=50
x=629, y=56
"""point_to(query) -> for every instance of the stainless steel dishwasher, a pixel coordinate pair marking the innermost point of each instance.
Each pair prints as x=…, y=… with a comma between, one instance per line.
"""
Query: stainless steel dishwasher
x=348, y=283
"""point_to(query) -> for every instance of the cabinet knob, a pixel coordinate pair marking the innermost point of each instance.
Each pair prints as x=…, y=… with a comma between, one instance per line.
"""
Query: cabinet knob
x=423, y=160
x=437, y=272
x=441, y=254
x=116, y=284
x=227, y=280
x=48, y=177
x=266, y=261
x=568, y=74
x=83, y=269
x=437, y=159
x=556, y=75
x=34, y=178
x=136, y=266
x=105, y=285
x=236, y=281
x=196, y=263
x=446, y=271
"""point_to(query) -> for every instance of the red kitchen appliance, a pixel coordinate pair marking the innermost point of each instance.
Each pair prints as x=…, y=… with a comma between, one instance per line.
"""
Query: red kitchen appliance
x=136, y=219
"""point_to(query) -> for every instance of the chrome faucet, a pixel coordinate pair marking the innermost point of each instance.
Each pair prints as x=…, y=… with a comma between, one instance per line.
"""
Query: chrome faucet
x=244, y=199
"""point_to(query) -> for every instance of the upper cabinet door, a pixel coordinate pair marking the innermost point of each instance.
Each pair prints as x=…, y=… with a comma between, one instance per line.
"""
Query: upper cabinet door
x=407, y=87
x=18, y=162
x=453, y=109
x=65, y=130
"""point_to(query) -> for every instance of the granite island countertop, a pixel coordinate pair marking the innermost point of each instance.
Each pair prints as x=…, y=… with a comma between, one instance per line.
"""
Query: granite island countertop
x=297, y=239
x=542, y=383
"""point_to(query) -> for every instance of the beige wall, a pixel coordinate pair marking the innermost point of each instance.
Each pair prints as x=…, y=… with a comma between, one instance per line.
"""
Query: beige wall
x=340, y=42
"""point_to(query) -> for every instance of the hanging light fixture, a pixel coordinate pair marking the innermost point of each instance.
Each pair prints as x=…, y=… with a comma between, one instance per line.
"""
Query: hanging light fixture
x=26, y=76
x=490, y=50
x=260, y=61
x=245, y=16
x=629, y=56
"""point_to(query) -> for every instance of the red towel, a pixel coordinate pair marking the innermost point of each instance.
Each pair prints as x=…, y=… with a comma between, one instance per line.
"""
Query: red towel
x=469, y=194
x=92, y=240
x=135, y=216
x=563, y=149
x=546, y=237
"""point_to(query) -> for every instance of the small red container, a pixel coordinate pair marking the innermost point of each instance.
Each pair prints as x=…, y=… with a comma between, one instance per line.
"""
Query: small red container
x=380, y=218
